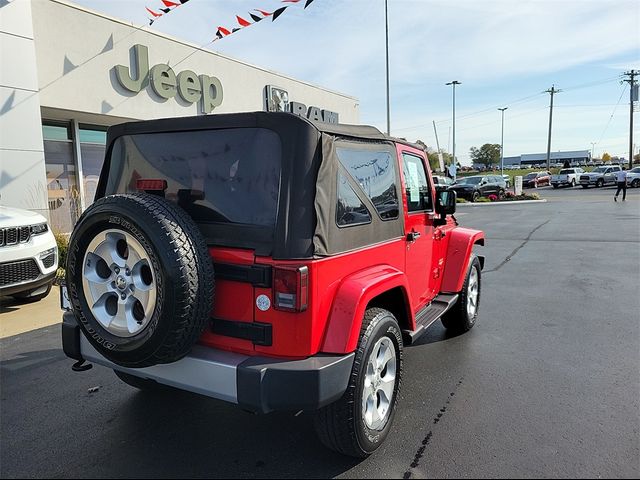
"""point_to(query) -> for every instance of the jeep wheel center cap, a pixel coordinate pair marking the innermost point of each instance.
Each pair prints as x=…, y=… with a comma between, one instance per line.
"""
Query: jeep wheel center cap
x=121, y=283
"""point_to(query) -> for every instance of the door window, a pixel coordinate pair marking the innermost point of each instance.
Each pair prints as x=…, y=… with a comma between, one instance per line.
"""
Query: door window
x=416, y=184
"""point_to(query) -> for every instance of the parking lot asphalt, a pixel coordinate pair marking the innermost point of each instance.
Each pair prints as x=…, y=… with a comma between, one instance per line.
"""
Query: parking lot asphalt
x=546, y=385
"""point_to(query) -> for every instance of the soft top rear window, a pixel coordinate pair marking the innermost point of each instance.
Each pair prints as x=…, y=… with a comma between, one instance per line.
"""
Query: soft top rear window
x=223, y=176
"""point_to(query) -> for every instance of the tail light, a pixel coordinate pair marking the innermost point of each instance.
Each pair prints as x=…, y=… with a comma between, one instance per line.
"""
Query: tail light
x=290, y=288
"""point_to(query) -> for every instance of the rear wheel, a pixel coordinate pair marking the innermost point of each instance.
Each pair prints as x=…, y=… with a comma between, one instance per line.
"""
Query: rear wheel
x=636, y=183
x=358, y=423
x=462, y=316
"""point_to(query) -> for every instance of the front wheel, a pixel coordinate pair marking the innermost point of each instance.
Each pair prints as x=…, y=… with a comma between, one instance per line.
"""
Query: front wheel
x=475, y=197
x=358, y=423
x=573, y=183
x=599, y=183
x=462, y=316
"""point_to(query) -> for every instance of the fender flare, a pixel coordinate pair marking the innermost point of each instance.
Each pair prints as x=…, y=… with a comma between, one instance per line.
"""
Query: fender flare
x=458, y=255
x=349, y=304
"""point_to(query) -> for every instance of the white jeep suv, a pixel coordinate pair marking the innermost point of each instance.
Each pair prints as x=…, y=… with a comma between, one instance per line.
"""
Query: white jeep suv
x=28, y=254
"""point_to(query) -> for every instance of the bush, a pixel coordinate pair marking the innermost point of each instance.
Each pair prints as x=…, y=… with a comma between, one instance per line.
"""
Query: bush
x=460, y=200
x=483, y=200
x=493, y=198
x=62, y=241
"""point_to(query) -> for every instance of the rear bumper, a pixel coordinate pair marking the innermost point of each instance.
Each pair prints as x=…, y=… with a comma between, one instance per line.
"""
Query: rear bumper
x=258, y=384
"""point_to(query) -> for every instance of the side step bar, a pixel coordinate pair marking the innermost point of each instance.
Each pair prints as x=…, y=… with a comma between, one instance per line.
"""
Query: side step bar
x=428, y=315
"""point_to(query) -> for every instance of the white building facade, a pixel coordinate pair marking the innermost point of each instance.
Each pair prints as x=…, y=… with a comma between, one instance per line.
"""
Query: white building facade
x=68, y=73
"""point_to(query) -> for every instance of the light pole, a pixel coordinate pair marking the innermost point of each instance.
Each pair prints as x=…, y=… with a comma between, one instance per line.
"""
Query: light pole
x=593, y=144
x=502, y=143
x=454, y=83
x=386, y=19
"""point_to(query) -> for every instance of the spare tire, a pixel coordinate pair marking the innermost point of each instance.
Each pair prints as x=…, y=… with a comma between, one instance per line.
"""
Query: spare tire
x=140, y=279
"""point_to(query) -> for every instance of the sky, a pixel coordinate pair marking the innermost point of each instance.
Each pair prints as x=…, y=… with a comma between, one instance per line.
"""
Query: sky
x=506, y=53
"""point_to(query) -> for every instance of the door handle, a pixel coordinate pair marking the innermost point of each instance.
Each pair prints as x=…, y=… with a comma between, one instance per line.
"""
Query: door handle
x=413, y=236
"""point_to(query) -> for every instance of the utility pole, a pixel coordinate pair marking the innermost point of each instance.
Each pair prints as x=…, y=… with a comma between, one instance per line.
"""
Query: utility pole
x=502, y=142
x=454, y=83
x=551, y=91
x=386, y=18
x=633, y=95
x=593, y=144
x=440, y=156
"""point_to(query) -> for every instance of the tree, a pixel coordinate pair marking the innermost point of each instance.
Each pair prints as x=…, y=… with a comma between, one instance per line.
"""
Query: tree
x=606, y=157
x=488, y=154
x=636, y=158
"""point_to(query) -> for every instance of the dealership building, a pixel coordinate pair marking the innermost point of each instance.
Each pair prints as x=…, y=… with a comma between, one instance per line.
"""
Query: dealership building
x=68, y=73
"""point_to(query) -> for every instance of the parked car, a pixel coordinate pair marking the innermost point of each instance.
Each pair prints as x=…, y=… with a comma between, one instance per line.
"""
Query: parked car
x=536, y=179
x=472, y=188
x=28, y=254
x=507, y=180
x=568, y=177
x=633, y=177
x=600, y=176
x=310, y=311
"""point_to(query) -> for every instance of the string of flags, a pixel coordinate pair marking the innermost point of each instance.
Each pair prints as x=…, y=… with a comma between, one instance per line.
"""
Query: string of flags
x=256, y=15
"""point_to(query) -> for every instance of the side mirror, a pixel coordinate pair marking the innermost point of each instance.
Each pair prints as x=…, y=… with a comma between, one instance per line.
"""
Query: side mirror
x=445, y=205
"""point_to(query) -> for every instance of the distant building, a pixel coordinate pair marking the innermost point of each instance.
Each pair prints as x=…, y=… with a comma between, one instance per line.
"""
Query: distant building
x=576, y=157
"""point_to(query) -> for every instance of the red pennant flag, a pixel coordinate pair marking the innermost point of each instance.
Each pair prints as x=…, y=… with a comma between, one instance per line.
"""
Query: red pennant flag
x=290, y=1
x=169, y=4
x=266, y=14
x=223, y=31
x=155, y=14
x=242, y=21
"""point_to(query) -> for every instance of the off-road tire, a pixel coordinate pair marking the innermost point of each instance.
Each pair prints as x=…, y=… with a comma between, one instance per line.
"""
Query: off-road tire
x=475, y=196
x=340, y=425
x=457, y=319
x=143, y=384
x=179, y=261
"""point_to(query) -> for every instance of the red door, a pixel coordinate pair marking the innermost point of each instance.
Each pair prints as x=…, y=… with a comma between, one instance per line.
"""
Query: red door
x=418, y=202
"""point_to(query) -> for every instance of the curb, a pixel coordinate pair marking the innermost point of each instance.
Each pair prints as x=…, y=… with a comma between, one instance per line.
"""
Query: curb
x=486, y=204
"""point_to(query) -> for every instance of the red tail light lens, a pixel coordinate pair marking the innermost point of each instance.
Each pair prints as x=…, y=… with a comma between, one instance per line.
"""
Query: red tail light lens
x=290, y=288
x=151, y=184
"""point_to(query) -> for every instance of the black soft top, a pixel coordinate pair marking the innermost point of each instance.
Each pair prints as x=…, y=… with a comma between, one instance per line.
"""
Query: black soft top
x=306, y=212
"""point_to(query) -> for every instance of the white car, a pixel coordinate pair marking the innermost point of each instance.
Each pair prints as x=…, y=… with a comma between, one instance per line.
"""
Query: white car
x=28, y=254
x=633, y=177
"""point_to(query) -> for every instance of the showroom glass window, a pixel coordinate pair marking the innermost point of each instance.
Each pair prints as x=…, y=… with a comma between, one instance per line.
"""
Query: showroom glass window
x=62, y=181
x=92, y=147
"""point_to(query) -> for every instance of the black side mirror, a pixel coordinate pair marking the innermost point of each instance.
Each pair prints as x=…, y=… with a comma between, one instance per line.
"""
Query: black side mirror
x=445, y=205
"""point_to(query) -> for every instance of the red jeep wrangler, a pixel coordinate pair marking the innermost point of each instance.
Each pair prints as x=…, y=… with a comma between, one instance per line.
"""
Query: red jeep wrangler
x=330, y=249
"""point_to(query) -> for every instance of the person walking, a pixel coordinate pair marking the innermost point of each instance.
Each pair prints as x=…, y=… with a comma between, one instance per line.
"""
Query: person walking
x=621, y=178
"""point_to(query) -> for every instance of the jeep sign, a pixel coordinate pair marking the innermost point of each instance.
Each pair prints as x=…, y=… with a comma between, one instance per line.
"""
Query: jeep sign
x=165, y=83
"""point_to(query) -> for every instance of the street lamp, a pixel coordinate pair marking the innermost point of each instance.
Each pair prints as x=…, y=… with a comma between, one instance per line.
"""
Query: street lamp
x=502, y=143
x=593, y=144
x=454, y=83
x=386, y=19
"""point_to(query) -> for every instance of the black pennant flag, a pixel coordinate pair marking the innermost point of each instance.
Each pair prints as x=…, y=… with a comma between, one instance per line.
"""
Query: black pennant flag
x=256, y=18
x=308, y=3
x=278, y=12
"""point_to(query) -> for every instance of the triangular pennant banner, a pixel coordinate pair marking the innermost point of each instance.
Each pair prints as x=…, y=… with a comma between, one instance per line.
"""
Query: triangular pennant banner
x=169, y=4
x=109, y=45
x=308, y=3
x=278, y=12
x=242, y=21
x=255, y=17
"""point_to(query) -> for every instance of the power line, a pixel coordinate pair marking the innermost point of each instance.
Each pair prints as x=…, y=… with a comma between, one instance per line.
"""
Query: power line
x=624, y=88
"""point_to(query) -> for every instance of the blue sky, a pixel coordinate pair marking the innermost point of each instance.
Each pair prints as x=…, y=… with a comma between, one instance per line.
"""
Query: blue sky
x=505, y=53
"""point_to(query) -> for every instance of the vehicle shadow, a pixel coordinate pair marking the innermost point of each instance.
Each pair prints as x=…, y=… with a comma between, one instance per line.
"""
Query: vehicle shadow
x=8, y=304
x=178, y=434
x=435, y=333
